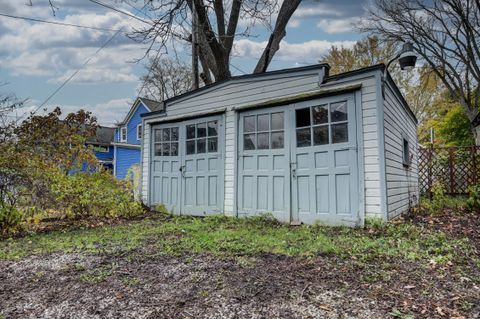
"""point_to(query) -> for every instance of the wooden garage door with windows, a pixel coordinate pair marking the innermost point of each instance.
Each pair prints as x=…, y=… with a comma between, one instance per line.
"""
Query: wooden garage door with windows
x=187, y=166
x=299, y=162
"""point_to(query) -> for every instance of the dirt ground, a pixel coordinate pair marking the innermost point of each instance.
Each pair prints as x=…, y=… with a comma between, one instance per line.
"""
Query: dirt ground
x=140, y=285
x=269, y=286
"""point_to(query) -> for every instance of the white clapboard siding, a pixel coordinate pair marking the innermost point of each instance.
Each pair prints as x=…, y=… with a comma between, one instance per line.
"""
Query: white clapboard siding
x=402, y=182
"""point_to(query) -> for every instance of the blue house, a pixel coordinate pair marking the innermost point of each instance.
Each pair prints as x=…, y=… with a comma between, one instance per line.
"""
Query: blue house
x=128, y=136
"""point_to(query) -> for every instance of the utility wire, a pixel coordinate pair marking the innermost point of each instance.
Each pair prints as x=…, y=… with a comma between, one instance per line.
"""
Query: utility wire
x=74, y=73
x=55, y=22
x=120, y=11
x=237, y=68
x=86, y=61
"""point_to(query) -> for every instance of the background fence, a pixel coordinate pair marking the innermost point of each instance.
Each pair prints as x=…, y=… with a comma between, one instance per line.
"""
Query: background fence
x=456, y=168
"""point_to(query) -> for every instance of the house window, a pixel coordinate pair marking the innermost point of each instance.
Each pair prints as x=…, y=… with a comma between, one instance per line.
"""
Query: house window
x=123, y=134
x=263, y=131
x=202, y=138
x=406, y=153
x=166, y=142
x=139, y=131
x=322, y=124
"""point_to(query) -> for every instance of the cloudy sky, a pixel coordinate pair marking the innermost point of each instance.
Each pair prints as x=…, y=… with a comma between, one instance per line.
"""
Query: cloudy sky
x=36, y=58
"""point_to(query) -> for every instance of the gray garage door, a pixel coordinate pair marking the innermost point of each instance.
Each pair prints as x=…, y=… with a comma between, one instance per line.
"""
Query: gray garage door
x=187, y=166
x=299, y=162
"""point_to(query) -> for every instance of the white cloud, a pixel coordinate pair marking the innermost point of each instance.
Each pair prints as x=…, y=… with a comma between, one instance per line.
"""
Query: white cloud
x=36, y=49
x=108, y=113
x=339, y=25
x=306, y=51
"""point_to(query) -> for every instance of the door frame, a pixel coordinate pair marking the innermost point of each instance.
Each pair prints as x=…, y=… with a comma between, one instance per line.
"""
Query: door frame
x=182, y=124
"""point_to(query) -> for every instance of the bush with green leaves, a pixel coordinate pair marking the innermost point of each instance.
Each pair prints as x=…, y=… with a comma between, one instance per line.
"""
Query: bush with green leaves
x=473, y=201
x=96, y=194
x=10, y=219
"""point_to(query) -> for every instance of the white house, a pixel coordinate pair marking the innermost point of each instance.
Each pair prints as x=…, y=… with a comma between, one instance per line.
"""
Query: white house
x=296, y=143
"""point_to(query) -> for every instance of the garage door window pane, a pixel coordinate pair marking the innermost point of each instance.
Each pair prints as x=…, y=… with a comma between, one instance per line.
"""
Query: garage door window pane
x=201, y=130
x=158, y=149
x=277, y=121
x=340, y=133
x=339, y=111
x=212, y=128
x=277, y=140
x=166, y=149
x=320, y=135
x=249, y=142
x=263, y=122
x=190, y=131
x=303, y=137
x=166, y=134
x=174, y=149
x=212, y=144
x=174, y=134
x=249, y=124
x=302, y=117
x=320, y=114
x=190, y=147
x=201, y=145
x=158, y=135
x=262, y=141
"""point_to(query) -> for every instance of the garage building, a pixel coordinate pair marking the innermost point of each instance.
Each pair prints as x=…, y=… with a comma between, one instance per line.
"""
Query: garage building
x=297, y=143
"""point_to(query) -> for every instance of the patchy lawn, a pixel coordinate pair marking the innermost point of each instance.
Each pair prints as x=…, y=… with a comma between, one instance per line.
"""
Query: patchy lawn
x=217, y=267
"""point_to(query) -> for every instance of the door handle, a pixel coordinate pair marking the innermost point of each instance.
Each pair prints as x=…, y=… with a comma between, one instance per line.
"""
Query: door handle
x=182, y=170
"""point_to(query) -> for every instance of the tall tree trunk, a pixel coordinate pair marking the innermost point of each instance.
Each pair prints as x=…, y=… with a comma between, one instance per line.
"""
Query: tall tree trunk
x=273, y=45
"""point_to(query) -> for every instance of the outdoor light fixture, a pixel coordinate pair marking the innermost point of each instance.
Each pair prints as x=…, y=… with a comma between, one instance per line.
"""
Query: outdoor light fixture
x=407, y=58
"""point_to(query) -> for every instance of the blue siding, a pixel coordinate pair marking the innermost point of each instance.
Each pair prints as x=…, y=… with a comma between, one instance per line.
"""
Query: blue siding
x=132, y=124
x=105, y=155
x=124, y=159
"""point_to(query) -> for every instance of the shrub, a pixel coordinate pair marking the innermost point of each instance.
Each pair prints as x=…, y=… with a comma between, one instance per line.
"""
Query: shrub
x=10, y=219
x=96, y=194
x=473, y=201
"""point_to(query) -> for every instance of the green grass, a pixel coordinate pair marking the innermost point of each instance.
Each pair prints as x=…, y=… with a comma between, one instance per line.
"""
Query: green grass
x=223, y=236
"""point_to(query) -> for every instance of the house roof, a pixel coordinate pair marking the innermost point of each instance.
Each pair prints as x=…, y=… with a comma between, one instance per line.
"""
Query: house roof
x=327, y=79
x=151, y=105
x=104, y=136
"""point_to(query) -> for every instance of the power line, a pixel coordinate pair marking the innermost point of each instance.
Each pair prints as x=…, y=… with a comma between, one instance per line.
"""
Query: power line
x=55, y=22
x=120, y=11
x=237, y=68
x=74, y=73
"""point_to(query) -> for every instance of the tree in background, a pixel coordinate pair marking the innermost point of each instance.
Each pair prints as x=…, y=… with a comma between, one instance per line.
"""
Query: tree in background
x=216, y=27
x=450, y=124
x=166, y=78
x=446, y=35
x=420, y=87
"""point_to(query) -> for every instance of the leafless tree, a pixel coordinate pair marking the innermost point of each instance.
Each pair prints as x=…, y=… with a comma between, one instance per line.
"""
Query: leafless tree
x=8, y=103
x=166, y=78
x=445, y=33
x=218, y=24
